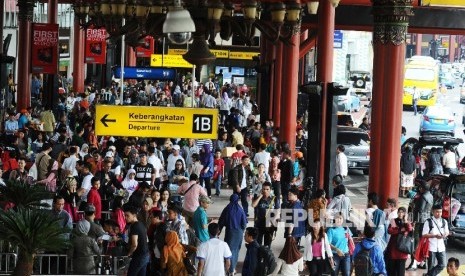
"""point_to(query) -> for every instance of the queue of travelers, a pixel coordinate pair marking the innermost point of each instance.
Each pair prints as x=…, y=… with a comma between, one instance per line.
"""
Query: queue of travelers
x=148, y=198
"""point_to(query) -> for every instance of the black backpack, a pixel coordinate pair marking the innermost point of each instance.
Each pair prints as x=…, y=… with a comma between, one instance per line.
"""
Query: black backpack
x=362, y=262
x=266, y=262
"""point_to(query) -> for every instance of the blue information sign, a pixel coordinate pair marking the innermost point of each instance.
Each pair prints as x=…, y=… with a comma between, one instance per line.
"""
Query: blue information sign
x=147, y=73
x=338, y=37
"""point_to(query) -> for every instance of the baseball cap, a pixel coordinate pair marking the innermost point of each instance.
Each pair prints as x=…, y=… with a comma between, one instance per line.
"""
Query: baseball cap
x=109, y=154
x=113, y=148
x=205, y=199
x=299, y=155
x=176, y=147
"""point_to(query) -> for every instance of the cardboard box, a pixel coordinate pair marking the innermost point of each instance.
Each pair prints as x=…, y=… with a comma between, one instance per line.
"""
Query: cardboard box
x=228, y=151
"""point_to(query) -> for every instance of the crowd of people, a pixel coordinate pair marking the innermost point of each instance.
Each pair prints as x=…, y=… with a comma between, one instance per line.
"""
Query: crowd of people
x=148, y=198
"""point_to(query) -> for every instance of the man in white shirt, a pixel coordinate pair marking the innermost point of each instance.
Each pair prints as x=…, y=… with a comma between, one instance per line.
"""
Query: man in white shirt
x=436, y=230
x=341, y=161
x=156, y=163
x=69, y=164
x=86, y=182
x=449, y=161
x=214, y=255
x=262, y=157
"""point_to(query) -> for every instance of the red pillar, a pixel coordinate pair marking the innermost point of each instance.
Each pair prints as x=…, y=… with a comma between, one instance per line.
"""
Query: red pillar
x=390, y=30
x=277, y=85
x=24, y=60
x=418, y=45
x=324, y=75
x=452, y=48
x=270, y=60
x=130, y=57
x=287, y=130
x=78, y=58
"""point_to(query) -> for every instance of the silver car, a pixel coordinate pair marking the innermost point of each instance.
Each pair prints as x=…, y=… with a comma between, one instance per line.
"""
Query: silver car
x=357, y=147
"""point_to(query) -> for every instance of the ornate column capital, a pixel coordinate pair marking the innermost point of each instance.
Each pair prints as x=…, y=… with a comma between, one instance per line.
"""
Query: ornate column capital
x=26, y=9
x=391, y=19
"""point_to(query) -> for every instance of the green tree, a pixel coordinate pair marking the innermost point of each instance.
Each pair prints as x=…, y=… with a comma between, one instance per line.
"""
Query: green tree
x=25, y=195
x=31, y=229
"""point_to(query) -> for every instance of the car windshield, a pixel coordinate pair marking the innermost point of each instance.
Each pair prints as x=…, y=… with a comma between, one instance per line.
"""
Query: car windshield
x=353, y=138
x=439, y=111
x=419, y=74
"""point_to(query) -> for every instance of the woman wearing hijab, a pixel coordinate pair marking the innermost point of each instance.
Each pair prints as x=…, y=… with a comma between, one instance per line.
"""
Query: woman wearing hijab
x=72, y=199
x=84, y=151
x=82, y=250
x=129, y=183
x=173, y=255
x=290, y=260
x=206, y=158
x=233, y=218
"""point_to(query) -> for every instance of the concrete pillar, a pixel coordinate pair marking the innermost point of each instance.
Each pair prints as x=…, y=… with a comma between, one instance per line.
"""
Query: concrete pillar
x=324, y=75
x=389, y=37
x=290, y=85
x=78, y=58
x=24, y=53
x=270, y=61
x=278, y=72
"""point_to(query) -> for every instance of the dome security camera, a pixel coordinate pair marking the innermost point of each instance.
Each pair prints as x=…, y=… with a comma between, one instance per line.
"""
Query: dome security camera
x=179, y=38
x=178, y=25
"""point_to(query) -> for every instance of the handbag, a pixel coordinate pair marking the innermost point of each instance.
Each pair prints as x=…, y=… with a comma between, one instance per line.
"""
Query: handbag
x=190, y=267
x=405, y=243
x=350, y=242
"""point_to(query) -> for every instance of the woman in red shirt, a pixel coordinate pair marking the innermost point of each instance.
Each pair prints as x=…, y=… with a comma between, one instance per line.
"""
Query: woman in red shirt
x=396, y=259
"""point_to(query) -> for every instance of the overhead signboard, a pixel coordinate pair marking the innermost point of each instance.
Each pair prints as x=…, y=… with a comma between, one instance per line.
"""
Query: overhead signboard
x=146, y=73
x=154, y=121
x=176, y=61
x=444, y=3
x=219, y=53
x=338, y=38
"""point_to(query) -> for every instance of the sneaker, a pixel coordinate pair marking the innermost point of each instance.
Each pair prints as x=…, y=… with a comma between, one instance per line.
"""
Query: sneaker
x=422, y=266
x=412, y=268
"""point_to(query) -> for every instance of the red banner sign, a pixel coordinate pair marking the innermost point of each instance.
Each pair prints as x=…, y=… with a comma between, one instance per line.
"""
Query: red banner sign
x=96, y=46
x=44, y=48
x=146, y=50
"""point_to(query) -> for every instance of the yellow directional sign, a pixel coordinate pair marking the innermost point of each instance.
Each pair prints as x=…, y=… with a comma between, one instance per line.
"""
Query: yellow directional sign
x=242, y=55
x=443, y=3
x=154, y=121
x=176, y=61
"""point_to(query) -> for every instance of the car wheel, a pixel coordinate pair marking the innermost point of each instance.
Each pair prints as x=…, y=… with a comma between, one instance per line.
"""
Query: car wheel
x=366, y=171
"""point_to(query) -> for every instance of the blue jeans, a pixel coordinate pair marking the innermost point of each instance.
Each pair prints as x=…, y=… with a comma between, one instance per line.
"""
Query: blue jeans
x=233, y=238
x=441, y=262
x=341, y=263
x=138, y=265
x=245, y=205
x=218, y=184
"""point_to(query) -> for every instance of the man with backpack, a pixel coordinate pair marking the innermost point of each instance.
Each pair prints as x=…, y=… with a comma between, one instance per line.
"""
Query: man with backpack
x=368, y=255
x=251, y=256
x=436, y=230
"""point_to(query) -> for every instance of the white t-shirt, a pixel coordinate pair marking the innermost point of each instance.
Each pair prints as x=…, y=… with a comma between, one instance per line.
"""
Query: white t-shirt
x=448, y=160
x=156, y=163
x=213, y=252
x=86, y=185
x=70, y=164
x=262, y=157
x=341, y=164
x=436, y=245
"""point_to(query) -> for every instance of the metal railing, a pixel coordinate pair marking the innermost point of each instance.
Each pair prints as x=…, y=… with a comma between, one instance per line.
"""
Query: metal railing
x=60, y=264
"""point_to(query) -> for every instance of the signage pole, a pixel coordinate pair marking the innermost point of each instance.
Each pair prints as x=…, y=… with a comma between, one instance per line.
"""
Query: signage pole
x=193, y=86
x=123, y=54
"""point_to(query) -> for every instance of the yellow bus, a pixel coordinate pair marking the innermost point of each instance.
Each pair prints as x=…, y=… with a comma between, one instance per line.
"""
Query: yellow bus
x=423, y=73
